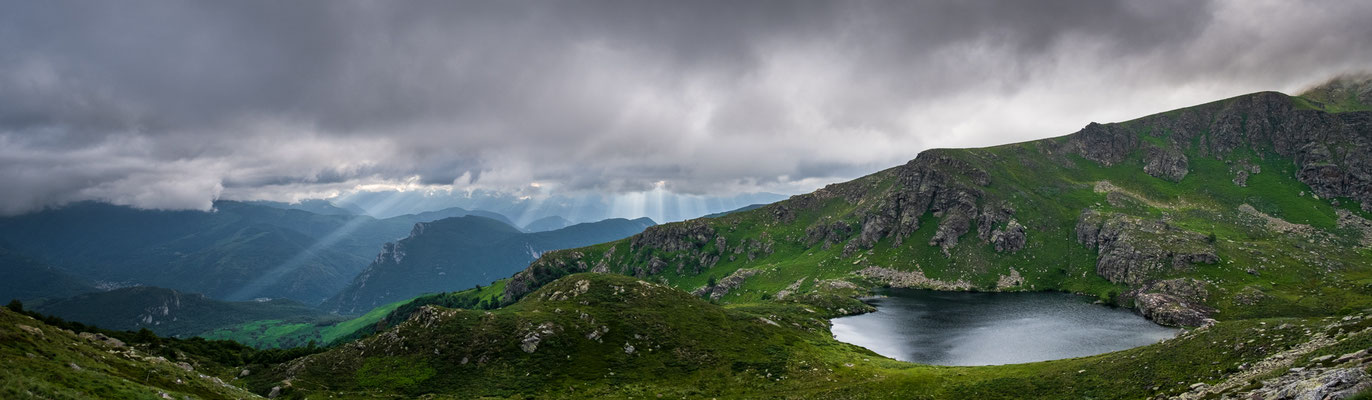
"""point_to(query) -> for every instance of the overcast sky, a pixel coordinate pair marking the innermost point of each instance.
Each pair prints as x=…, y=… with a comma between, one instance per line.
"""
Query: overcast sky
x=172, y=104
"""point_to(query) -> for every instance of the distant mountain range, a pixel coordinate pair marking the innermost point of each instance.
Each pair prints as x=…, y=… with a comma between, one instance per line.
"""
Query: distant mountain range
x=458, y=253
x=547, y=224
x=660, y=206
x=239, y=251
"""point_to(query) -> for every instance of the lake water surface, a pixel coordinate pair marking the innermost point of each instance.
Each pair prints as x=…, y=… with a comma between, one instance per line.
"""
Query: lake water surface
x=965, y=328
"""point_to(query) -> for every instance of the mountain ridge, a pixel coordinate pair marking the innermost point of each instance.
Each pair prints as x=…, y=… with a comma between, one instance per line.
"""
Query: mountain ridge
x=1100, y=211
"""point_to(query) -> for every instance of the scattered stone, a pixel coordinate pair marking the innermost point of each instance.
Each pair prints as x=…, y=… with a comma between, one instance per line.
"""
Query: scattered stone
x=31, y=330
x=531, y=339
x=1009, y=281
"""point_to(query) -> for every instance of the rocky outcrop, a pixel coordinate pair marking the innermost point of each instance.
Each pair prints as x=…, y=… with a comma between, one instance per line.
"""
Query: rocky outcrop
x=553, y=265
x=1173, y=302
x=827, y=234
x=724, y=286
x=909, y=279
x=532, y=336
x=1011, y=238
x=935, y=183
x=1169, y=310
x=1336, y=383
x=1166, y=163
x=688, y=235
x=792, y=288
x=1134, y=251
x=1107, y=144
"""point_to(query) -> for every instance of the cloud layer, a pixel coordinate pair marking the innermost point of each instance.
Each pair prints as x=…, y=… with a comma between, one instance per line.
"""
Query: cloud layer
x=175, y=104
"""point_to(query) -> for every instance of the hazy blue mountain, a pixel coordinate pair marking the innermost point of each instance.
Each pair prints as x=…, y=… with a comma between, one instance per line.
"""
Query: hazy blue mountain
x=547, y=224
x=458, y=253
x=169, y=312
x=453, y=212
x=239, y=251
x=28, y=279
x=317, y=206
x=661, y=206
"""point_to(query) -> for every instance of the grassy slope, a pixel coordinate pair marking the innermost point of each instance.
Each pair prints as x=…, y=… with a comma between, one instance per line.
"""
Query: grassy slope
x=686, y=347
x=56, y=364
x=276, y=333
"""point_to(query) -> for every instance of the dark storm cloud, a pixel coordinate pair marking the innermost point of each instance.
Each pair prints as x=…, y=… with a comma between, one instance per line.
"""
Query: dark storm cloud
x=174, y=104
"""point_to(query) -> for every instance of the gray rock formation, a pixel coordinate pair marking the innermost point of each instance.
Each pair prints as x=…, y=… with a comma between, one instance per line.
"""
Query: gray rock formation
x=1166, y=163
x=1173, y=302
x=1135, y=251
x=1011, y=238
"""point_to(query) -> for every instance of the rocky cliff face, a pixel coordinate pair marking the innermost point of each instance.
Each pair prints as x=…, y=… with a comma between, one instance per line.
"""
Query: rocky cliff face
x=1134, y=250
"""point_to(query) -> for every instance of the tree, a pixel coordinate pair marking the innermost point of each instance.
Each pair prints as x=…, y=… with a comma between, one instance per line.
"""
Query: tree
x=146, y=336
x=711, y=282
x=15, y=305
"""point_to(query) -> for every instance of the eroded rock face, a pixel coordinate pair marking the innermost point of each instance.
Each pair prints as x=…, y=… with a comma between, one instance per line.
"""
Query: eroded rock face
x=724, y=286
x=552, y=265
x=1168, y=310
x=689, y=235
x=1174, y=302
x=1011, y=238
x=1166, y=163
x=936, y=183
x=1107, y=144
x=1134, y=251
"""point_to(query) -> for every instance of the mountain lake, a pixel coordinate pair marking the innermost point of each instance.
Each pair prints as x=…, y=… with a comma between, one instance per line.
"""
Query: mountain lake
x=978, y=328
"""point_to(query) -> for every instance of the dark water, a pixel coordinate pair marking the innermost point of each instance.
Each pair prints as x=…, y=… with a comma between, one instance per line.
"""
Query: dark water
x=960, y=328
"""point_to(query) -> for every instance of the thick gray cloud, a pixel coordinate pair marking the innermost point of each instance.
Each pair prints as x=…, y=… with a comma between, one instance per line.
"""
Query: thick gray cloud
x=174, y=104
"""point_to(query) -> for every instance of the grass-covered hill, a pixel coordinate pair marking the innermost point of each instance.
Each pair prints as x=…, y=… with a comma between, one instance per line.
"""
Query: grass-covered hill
x=593, y=335
x=1254, y=206
x=46, y=361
